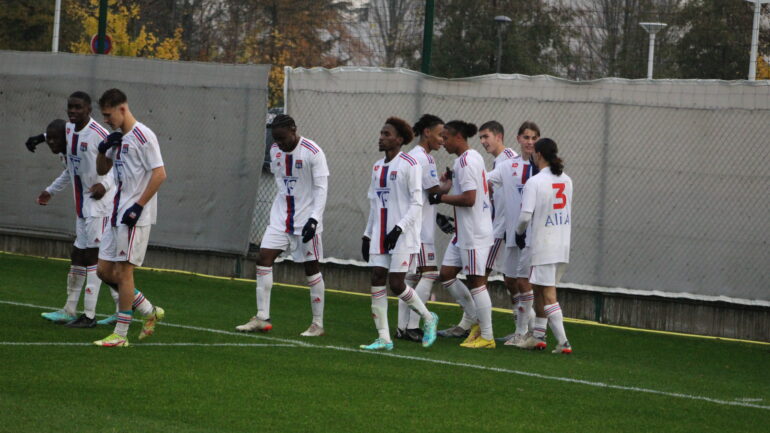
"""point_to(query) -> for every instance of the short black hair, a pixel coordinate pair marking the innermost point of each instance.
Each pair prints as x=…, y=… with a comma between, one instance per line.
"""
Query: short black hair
x=467, y=130
x=112, y=98
x=426, y=121
x=402, y=128
x=494, y=126
x=56, y=125
x=283, y=121
x=83, y=96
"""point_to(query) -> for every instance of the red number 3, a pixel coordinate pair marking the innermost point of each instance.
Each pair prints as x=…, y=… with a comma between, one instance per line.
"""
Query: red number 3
x=559, y=187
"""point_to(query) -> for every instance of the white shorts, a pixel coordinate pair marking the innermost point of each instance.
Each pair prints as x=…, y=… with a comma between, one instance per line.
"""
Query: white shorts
x=470, y=262
x=396, y=263
x=511, y=265
x=124, y=244
x=525, y=257
x=547, y=275
x=498, y=256
x=292, y=245
x=89, y=231
x=426, y=256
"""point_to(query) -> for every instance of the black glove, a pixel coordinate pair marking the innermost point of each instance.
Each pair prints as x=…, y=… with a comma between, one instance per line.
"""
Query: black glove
x=449, y=173
x=365, y=248
x=34, y=141
x=309, y=230
x=434, y=198
x=132, y=215
x=114, y=139
x=392, y=238
x=521, y=240
x=445, y=223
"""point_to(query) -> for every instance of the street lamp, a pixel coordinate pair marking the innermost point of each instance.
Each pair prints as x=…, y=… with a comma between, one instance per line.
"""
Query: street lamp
x=755, y=38
x=501, y=21
x=651, y=28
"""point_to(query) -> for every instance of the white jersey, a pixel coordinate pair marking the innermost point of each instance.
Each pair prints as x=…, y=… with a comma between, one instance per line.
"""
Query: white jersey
x=508, y=179
x=296, y=173
x=429, y=180
x=473, y=225
x=133, y=162
x=498, y=198
x=549, y=198
x=80, y=170
x=395, y=197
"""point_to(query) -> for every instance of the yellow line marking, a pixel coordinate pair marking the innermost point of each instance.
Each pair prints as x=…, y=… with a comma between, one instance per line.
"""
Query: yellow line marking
x=447, y=304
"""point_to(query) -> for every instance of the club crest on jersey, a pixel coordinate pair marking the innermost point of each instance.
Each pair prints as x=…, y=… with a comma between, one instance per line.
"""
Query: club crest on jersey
x=393, y=175
x=298, y=164
x=125, y=148
x=278, y=155
x=83, y=146
x=431, y=256
x=515, y=164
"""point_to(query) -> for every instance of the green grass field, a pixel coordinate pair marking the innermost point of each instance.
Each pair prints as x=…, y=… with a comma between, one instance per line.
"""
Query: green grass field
x=198, y=375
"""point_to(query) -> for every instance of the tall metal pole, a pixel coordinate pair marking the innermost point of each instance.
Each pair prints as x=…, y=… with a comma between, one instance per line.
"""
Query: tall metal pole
x=499, y=47
x=56, y=21
x=650, y=56
x=754, y=42
x=427, y=36
x=101, y=34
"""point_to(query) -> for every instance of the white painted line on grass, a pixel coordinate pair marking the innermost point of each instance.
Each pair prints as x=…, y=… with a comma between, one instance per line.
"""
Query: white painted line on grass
x=62, y=343
x=453, y=364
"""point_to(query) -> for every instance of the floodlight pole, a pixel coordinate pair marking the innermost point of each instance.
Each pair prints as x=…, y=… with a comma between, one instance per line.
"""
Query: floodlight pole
x=56, y=21
x=755, y=38
x=652, y=29
x=501, y=21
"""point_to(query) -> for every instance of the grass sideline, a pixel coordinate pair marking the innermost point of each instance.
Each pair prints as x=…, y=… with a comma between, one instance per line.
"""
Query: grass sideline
x=220, y=380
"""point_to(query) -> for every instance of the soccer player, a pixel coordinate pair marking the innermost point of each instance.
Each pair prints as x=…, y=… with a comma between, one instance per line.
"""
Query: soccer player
x=134, y=155
x=392, y=236
x=546, y=205
x=428, y=128
x=296, y=221
x=509, y=179
x=469, y=249
x=93, y=196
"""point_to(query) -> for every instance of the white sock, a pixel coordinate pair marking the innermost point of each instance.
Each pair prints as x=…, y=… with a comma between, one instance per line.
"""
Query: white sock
x=264, y=286
x=524, y=312
x=404, y=314
x=75, y=280
x=380, y=312
x=141, y=304
x=124, y=320
x=116, y=298
x=540, y=326
x=411, y=280
x=316, y=283
x=93, y=284
x=556, y=322
x=463, y=297
x=484, y=310
x=415, y=303
x=423, y=289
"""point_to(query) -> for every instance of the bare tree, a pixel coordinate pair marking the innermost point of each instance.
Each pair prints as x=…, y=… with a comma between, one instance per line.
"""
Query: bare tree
x=391, y=28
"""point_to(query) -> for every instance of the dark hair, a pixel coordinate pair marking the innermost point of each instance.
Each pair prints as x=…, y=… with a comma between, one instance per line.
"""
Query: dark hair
x=402, y=128
x=283, y=121
x=548, y=150
x=529, y=125
x=82, y=95
x=494, y=126
x=426, y=121
x=112, y=98
x=57, y=125
x=468, y=130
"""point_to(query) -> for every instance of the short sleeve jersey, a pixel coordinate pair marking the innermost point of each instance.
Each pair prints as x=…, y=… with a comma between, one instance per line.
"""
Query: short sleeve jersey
x=133, y=162
x=549, y=198
x=499, y=198
x=473, y=225
x=82, y=150
x=294, y=173
x=429, y=180
x=390, y=194
x=509, y=178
